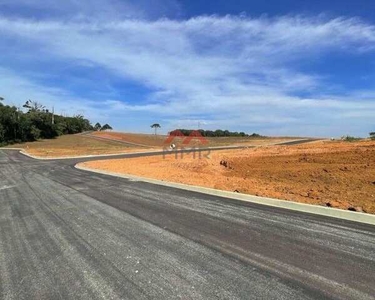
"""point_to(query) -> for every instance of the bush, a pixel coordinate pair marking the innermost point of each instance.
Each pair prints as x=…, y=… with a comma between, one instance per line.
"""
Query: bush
x=35, y=133
x=348, y=138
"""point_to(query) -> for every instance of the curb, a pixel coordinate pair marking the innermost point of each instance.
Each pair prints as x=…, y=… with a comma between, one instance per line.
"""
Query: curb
x=78, y=157
x=284, y=204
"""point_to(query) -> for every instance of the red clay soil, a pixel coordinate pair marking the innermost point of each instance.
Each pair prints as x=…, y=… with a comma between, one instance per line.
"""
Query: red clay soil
x=335, y=174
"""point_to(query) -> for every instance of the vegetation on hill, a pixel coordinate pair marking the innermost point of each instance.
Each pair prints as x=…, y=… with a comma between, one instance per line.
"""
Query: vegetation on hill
x=210, y=133
x=36, y=123
x=349, y=138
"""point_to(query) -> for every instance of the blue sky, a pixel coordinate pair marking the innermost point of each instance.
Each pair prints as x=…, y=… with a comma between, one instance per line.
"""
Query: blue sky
x=277, y=68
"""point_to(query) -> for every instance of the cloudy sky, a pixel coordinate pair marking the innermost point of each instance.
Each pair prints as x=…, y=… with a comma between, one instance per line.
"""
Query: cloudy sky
x=280, y=68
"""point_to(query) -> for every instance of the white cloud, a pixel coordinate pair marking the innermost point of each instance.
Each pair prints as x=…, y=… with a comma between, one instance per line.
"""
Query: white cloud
x=90, y=9
x=17, y=90
x=233, y=70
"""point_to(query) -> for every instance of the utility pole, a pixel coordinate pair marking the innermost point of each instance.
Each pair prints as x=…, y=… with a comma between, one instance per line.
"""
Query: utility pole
x=53, y=115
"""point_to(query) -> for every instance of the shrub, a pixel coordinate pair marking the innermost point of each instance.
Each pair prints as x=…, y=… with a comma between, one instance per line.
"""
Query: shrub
x=348, y=138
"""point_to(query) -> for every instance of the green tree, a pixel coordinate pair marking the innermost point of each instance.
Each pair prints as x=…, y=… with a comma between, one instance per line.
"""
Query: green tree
x=35, y=133
x=2, y=134
x=97, y=126
x=106, y=127
x=16, y=126
x=219, y=133
x=156, y=126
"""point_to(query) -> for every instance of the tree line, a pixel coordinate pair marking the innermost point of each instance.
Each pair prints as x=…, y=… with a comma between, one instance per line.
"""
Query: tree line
x=37, y=122
x=213, y=133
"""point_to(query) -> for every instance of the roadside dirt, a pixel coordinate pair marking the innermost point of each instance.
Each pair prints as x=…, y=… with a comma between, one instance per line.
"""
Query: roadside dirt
x=335, y=174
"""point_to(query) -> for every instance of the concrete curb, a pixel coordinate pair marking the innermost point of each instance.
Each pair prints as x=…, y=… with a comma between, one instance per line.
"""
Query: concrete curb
x=78, y=157
x=294, y=206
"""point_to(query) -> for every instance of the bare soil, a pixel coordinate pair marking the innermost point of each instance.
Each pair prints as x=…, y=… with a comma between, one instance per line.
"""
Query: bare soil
x=335, y=174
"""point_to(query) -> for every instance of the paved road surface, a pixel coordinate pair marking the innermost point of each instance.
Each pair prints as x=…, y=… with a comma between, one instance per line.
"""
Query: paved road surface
x=71, y=234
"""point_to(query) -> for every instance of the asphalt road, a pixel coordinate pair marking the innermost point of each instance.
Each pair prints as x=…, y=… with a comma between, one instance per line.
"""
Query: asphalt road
x=71, y=234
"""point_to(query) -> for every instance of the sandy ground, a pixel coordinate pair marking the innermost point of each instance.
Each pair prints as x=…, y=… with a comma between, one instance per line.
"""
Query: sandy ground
x=336, y=174
x=74, y=145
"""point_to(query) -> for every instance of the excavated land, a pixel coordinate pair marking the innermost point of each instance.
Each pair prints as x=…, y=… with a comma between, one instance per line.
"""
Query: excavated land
x=335, y=174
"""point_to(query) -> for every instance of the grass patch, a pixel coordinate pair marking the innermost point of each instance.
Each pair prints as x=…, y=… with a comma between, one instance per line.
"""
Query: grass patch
x=72, y=145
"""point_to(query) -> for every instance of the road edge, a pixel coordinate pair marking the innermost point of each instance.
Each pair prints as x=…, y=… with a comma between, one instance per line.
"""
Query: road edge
x=284, y=204
x=123, y=154
x=23, y=151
